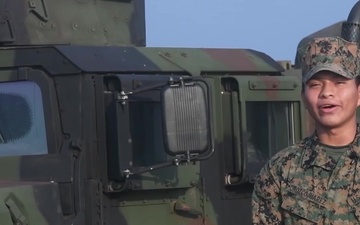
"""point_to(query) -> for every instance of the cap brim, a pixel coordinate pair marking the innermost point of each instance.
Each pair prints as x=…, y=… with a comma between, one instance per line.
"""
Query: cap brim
x=327, y=67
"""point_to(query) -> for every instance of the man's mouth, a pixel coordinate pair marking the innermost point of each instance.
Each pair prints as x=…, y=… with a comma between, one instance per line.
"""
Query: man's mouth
x=328, y=106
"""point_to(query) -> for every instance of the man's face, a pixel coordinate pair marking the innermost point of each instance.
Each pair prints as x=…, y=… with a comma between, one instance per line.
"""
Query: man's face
x=331, y=99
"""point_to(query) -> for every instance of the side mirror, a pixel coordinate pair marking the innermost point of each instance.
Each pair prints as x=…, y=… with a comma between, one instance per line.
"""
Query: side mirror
x=183, y=127
x=185, y=118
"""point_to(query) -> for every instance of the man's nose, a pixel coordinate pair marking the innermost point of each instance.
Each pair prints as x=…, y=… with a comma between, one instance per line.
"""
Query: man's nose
x=328, y=90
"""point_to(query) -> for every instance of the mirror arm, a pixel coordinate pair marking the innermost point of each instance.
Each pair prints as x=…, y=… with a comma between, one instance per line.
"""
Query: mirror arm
x=206, y=156
x=129, y=172
x=145, y=89
x=175, y=162
x=123, y=96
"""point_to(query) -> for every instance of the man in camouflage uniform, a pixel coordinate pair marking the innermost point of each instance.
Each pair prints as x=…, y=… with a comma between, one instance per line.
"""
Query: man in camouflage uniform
x=317, y=181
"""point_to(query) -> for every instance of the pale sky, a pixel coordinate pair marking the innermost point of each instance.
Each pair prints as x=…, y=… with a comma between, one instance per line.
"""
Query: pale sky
x=273, y=27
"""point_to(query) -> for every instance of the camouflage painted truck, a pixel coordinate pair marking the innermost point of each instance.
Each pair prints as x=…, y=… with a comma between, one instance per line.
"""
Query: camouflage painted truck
x=98, y=129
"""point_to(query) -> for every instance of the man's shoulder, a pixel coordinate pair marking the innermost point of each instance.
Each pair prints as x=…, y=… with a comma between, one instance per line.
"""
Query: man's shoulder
x=290, y=151
x=270, y=177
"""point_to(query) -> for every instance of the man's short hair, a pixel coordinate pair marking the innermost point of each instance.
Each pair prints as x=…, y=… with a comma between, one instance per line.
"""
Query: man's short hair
x=332, y=54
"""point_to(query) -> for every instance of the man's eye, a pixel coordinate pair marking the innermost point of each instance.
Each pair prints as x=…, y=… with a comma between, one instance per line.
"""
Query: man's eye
x=313, y=85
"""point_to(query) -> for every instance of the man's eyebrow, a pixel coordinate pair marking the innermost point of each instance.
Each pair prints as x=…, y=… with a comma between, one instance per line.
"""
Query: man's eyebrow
x=314, y=80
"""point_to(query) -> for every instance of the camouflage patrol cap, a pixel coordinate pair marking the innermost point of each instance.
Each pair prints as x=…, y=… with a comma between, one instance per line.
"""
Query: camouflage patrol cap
x=330, y=53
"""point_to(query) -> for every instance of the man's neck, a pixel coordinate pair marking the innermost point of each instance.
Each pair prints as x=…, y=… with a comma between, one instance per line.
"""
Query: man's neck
x=339, y=136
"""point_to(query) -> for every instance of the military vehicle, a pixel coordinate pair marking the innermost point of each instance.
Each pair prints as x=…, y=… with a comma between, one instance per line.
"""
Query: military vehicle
x=98, y=129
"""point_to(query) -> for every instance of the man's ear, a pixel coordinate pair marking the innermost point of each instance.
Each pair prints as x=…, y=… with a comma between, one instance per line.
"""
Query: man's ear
x=358, y=88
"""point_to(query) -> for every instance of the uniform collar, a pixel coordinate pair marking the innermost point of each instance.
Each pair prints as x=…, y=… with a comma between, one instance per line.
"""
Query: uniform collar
x=315, y=154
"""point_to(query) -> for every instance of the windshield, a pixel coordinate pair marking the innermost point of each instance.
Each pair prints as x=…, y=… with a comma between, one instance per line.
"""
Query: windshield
x=22, y=125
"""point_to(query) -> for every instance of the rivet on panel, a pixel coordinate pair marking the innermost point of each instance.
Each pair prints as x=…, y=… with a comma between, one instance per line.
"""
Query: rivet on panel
x=32, y=4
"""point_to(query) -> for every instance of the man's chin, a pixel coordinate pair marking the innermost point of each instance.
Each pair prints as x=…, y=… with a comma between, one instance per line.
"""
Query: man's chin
x=328, y=124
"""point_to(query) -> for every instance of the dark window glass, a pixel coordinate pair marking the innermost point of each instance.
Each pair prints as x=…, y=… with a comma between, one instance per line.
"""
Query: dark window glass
x=146, y=132
x=269, y=129
x=22, y=123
